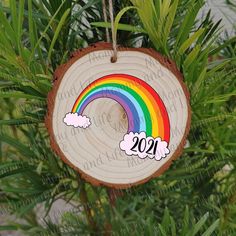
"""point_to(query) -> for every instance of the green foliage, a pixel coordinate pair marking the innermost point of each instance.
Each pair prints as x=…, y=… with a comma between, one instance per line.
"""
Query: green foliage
x=196, y=196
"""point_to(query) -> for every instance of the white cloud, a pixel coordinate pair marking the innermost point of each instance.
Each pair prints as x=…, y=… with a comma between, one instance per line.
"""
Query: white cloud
x=76, y=120
x=142, y=146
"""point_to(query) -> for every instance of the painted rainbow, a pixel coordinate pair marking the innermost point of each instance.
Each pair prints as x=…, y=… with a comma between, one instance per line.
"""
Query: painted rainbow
x=144, y=108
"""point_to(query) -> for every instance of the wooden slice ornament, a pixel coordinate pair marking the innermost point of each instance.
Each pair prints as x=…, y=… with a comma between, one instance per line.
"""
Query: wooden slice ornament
x=118, y=124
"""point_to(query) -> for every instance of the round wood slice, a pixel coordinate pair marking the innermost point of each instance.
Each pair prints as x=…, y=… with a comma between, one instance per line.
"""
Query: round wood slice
x=95, y=151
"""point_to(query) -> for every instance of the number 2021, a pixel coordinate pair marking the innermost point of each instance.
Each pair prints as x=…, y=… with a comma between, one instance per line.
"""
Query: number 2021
x=142, y=145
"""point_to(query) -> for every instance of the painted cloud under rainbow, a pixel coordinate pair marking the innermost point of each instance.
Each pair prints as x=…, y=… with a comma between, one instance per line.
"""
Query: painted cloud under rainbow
x=76, y=120
x=127, y=143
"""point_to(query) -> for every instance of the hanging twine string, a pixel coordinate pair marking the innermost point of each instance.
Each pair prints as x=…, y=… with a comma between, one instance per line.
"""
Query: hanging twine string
x=105, y=19
x=114, y=42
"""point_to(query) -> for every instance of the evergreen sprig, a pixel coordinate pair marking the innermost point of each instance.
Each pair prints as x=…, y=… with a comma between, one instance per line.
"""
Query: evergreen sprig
x=196, y=196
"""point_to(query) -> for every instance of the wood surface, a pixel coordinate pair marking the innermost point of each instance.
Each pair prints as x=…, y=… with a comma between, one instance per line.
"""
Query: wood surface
x=95, y=153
